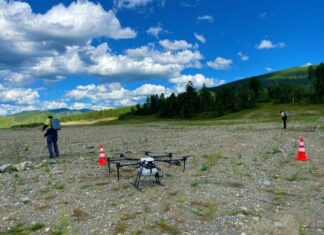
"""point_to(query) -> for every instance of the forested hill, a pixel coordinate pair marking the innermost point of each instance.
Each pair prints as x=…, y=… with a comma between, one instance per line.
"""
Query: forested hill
x=297, y=76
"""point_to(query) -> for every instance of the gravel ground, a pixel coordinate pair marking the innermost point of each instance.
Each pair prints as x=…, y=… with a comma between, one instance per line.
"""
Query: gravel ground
x=240, y=179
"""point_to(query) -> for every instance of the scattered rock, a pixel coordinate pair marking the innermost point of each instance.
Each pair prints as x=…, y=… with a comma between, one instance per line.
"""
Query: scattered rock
x=7, y=168
x=255, y=218
x=243, y=208
x=278, y=224
x=265, y=182
x=25, y=200
x=23, y=165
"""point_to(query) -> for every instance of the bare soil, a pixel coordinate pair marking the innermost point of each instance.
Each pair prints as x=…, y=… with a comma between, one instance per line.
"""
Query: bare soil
x=240, y=179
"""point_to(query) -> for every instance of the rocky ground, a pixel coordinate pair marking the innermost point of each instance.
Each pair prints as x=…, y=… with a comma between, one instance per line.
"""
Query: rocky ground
x=241, y=179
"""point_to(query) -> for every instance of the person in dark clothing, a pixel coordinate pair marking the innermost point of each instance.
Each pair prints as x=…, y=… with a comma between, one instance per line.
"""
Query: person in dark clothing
x=51, y=137
x=284, y=119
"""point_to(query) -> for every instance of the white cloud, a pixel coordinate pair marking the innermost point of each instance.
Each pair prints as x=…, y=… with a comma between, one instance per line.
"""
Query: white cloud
x=307, y=64
x=26, y=36
x=220, y=63
x=198, y=80
x=175, y=45
x=269, y=69
x=114, y=94
x=18, y=96
x=208, y=18
x=149, y=89
x=200, y=38
x=130, y=4
x=267, y=44
x=46, y=105
x=78, y=105
x=155, y=31
x=242, y=56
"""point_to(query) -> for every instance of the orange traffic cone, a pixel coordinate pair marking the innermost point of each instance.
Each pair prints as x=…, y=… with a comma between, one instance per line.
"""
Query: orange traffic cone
x=102, y=159
x=301, y=155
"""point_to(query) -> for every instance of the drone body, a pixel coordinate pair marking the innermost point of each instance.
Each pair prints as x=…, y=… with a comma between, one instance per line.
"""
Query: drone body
x=146, y=166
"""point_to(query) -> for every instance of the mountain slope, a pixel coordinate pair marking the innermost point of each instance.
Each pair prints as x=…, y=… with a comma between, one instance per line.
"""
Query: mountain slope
x=294, y=76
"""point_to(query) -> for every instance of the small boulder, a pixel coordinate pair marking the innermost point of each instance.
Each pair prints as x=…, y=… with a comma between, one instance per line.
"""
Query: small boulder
x=23, y=165
x=265, y=182
x=7, y=168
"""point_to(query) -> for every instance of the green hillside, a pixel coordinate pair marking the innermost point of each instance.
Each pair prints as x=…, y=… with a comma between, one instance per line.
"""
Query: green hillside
x=297, y=76
x=33, y=117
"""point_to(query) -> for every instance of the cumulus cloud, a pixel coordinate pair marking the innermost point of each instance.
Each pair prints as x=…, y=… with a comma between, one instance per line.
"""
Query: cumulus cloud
x=220, y=63
x=114, y=94
x=175, y=45
x=207, y=18
x=242, y=56
x=18, y=96
x=47, y=105
x=130, y=3
x=25, y=35
x=155, y=31
x=267, y=44
x=198, y=80
x=307, y=64
x=200, y=38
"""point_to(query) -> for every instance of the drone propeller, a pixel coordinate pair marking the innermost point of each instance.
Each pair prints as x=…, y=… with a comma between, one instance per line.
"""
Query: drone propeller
x=175, y=161
x=155, y=156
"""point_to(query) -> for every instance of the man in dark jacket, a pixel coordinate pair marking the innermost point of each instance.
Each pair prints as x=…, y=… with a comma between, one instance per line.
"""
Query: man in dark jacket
x=284, y=119
x=52, y=137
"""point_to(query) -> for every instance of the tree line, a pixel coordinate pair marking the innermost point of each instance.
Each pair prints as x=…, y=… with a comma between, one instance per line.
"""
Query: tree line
x=231, y=98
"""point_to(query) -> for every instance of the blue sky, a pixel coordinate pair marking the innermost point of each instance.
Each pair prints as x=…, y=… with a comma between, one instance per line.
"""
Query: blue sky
x=112, y=53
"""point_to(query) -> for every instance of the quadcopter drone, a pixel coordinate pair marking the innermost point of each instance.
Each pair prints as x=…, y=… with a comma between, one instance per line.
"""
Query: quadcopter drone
x=146, y=166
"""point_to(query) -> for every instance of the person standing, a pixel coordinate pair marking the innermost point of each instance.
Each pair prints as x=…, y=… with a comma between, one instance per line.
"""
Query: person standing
x=51, y=138
x=284, y=117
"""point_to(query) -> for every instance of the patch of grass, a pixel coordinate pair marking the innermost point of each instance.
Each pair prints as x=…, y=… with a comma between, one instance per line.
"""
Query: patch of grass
x=206, y=210
x=275, y=151
x=137, y=232
x=302, y=231
x=49, y=197
x=194, y=184
x=79, y=214
x=62, y=227
x=164, y=227
x=120, y=228
x=315, y=171
x=128, y=216
x=212, y=159
x=58, y=186
x=280, y=196
x=174, y=193
x=197, y=211
x=42, y=207
x=297, y=176
x=204, y=167
x=21, y=229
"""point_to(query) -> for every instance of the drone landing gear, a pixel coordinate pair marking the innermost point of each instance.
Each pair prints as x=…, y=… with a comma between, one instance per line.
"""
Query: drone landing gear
x=157, y=179
x=138, y=178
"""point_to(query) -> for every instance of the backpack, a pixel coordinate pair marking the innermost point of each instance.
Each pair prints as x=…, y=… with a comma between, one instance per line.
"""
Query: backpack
x=55, y=124
x=286, y=113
